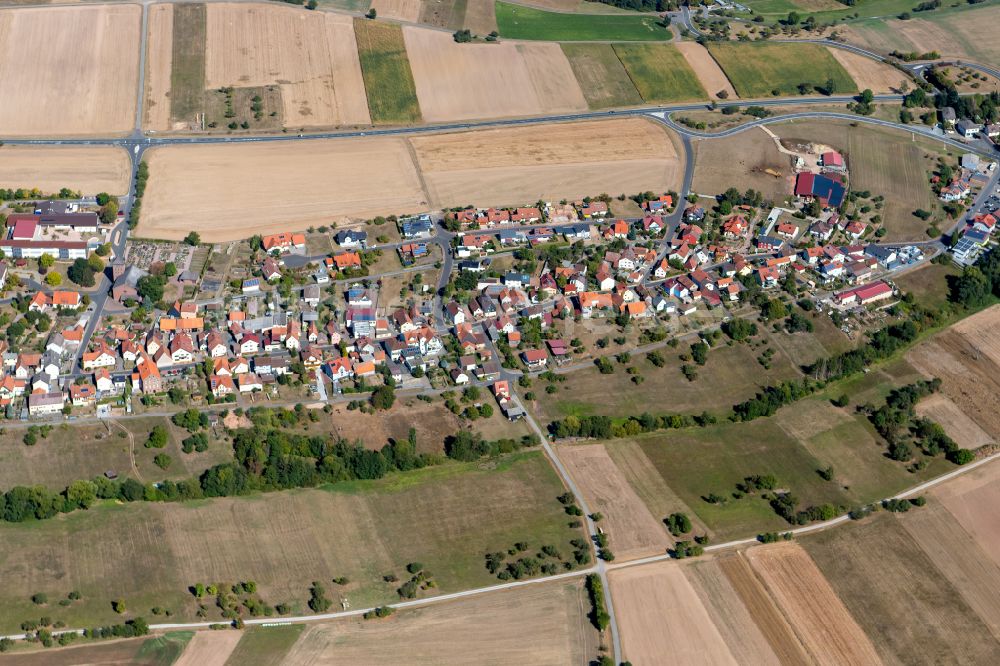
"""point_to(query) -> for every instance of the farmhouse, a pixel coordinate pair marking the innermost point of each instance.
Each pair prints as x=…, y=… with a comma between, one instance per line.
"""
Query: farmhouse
x=828, y=191
x=865, y=294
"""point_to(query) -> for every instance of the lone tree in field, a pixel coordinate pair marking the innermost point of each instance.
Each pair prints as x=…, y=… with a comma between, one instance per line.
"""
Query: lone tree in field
x=192, y=238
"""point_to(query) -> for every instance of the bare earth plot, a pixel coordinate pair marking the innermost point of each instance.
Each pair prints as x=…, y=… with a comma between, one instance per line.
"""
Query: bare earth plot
x=312, y=55
x=465, y=81
x=69, y=70
x=548, y=162
x=868, y=73
x=209, y=648
x=741, y=159
x=541, y=624
x=159, y=64
x=820, y=619
x=88, y=169
x=235, y=191
x=911, y=612
x=662, y=620
x=633, y=530
x=712, y=78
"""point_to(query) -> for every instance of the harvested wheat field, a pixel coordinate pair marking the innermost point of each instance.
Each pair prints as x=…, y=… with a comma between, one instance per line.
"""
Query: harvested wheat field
x=551, y=161
x=69, y=70
x=712, y=78
x=633, y=530
x=960, y=560
x=540, y=624
x=312, y=55
x=87, y=169
x=731, y=616
x=742, y=158
x=209, y=648
x=235, y=191
x=772, y=624
x=159, y=64
x=465, y=81
x=646, y=481
x=480, y=16
x=965, y=358
x=956, y=423
x=662, y=620
x=910, y=610
x=868, y=73
x=401, y=10
x=973, y=500
x=822, y=622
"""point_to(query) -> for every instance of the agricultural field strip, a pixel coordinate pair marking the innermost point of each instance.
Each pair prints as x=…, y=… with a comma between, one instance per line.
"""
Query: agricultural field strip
x=535, y=581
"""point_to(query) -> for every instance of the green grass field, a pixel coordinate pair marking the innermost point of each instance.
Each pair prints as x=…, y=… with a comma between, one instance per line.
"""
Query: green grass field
x=660, y=73
x=829, y=10
x=519, y=22
x=445, y=517
x=392, y=95
x=758, y=69
x=697, y=462
x=603, y=79
x=187, y=73
x=261, y=646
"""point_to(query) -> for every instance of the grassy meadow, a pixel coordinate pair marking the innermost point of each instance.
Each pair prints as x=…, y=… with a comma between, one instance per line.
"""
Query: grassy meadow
x=758, y=69
x=445, y=517
x=392, y=95
x=660, y=73
x=602, y=77
x=520, y=22
x=187, y=73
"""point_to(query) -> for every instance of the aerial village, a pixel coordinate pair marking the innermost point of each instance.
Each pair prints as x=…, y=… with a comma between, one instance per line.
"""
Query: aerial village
x=430, y=301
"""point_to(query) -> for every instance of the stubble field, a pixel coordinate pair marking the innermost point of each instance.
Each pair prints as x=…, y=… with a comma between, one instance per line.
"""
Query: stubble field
x=541, y=624
x=965, y=358
x=634, y=531
x=312, y=55
x=868, y=73
x=712, y=78
x=234, y=191
x=69, y=70
x=87, y=169
x=552, y=161
x=826, y=628
x=662, y=620
x=465, y=81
